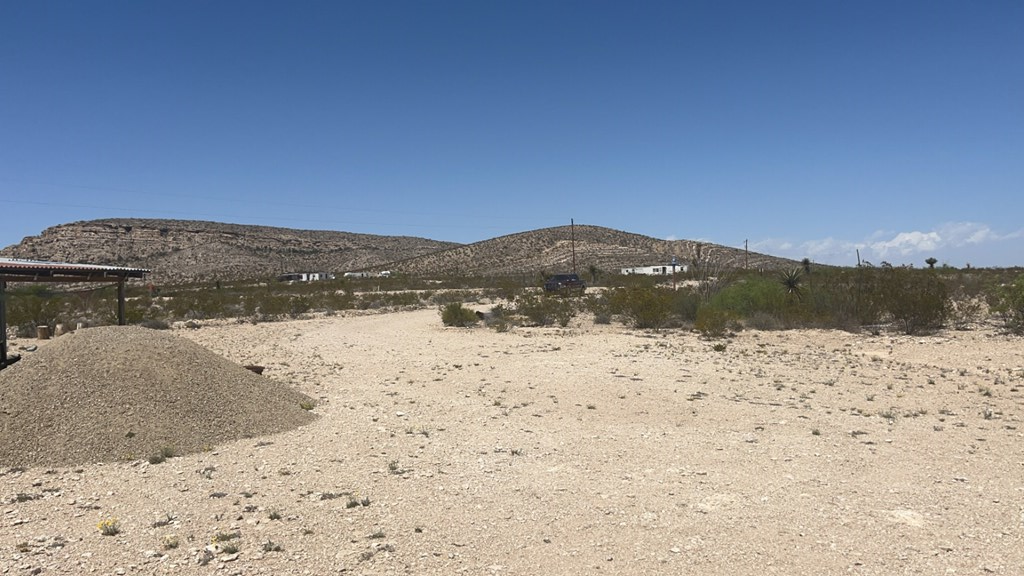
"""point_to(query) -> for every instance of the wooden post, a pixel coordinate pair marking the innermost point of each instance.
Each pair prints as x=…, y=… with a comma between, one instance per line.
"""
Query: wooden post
x=3, y=323
x=120, y=302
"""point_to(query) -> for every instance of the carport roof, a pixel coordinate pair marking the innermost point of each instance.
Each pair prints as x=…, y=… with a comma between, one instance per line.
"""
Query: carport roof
x=18, y=270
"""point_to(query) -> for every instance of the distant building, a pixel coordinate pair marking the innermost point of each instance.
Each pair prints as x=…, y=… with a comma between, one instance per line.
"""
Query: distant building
x=383, y=274
x=656, y=270
x=305, y=276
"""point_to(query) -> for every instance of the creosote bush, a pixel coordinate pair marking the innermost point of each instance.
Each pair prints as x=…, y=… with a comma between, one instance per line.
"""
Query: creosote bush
x=714, y=322
x=643, y=306
x=1007, y=301
x=542, y=310
x=455, y=314
x=916, y=299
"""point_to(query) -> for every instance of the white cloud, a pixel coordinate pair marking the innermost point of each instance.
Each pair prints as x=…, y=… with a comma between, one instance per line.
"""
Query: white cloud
x=961, y=238
x=906, y=243
x=771, y=245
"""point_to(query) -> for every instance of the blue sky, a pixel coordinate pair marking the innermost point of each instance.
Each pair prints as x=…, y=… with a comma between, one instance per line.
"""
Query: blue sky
x=808, y=128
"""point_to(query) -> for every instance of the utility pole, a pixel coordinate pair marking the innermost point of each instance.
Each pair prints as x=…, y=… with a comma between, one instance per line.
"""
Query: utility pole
x=746, y=255
x=572, y=235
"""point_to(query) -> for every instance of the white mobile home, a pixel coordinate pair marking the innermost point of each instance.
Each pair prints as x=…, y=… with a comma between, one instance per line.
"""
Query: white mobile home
x=382, y=274
x=305, y=276
x=656, y=270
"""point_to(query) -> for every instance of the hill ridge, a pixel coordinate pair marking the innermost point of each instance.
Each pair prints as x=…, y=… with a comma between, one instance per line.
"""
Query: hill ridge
x=196, y=250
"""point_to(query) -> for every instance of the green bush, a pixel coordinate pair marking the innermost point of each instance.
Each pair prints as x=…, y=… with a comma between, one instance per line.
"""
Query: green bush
x=753, y=295
x=714, y=322
x=455, y=314
x=34, y=305
x=685, y=303
x=1008, y=301
x=643, y=306
x=916, y=299
x=542, y=310
x=600, y=307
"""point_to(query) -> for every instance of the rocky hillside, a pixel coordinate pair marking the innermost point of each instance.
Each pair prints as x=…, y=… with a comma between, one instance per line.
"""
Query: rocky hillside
x=177, y=250
x=186, y=250
x=551, y=250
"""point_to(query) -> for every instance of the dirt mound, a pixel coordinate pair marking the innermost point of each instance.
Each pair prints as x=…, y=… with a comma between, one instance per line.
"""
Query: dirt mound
x=117, y=393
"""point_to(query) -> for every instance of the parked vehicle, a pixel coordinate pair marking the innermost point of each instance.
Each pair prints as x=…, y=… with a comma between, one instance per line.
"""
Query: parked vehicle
x=565, y=284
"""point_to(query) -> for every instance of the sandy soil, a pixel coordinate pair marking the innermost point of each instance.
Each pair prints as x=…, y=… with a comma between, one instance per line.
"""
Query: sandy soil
x=588, y=449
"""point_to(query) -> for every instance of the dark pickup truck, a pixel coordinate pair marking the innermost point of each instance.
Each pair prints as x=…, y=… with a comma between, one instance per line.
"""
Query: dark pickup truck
x=565, y=284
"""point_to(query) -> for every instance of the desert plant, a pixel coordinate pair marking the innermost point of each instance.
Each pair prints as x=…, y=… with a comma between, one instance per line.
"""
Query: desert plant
x=161, y=456
x=109, y=527
x=455, y=314
x=792, y=281
x=221, y=537
x=643, y=306
x=544, y=311
x=271, y=546
x=1007, y=300
x=714, y=322
x=916, y=299
x=964, y=310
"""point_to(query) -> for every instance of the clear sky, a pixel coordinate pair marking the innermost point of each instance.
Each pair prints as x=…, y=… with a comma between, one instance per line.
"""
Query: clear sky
x=808, y=128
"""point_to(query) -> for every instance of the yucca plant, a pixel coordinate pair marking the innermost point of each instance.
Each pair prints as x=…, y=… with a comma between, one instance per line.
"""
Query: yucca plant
x=791, y=283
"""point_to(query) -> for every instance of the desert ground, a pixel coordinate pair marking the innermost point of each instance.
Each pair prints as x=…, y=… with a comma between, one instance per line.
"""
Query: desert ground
x=578, y=450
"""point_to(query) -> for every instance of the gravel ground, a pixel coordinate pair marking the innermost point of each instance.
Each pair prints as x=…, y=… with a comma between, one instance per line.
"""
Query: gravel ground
x=588, y=449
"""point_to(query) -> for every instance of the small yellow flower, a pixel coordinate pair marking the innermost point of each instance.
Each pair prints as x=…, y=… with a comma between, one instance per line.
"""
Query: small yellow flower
x=109, y=527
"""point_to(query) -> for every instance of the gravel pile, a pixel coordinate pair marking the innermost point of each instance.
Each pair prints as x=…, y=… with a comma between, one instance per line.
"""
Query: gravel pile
x=122, y=393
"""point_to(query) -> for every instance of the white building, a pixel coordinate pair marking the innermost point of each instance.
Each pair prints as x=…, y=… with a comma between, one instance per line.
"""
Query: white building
x=382, y=274
x=305, y=276
x=656, y=270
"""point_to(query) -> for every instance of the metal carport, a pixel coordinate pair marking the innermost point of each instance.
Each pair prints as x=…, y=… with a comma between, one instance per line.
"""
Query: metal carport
x=17, y=270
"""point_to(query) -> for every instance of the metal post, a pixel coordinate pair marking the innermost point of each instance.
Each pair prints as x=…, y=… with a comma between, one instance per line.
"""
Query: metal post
x=3, y=323
x=120, y=302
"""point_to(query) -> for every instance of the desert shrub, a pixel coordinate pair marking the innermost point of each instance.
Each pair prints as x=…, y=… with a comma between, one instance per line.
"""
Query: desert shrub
x=544, y=311
x=763, y=321
x=506, y=289
x=685, y=303
x=332, y=300
x=916, y=299
x=643, y=306
x=600, y=307
x=31, y=306
x=443, y=297
x=377, y=300
x=1007, y=301
x=203, y=303
x=715, y=322
x=965, y=310
x=455, y=314
x=498, y=318
x=846, y=299
x=751, y=295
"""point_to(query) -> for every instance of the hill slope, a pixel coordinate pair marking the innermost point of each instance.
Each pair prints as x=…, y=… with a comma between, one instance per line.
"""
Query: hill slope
x=179, y=250
x=551, y=250
x=187, y=250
